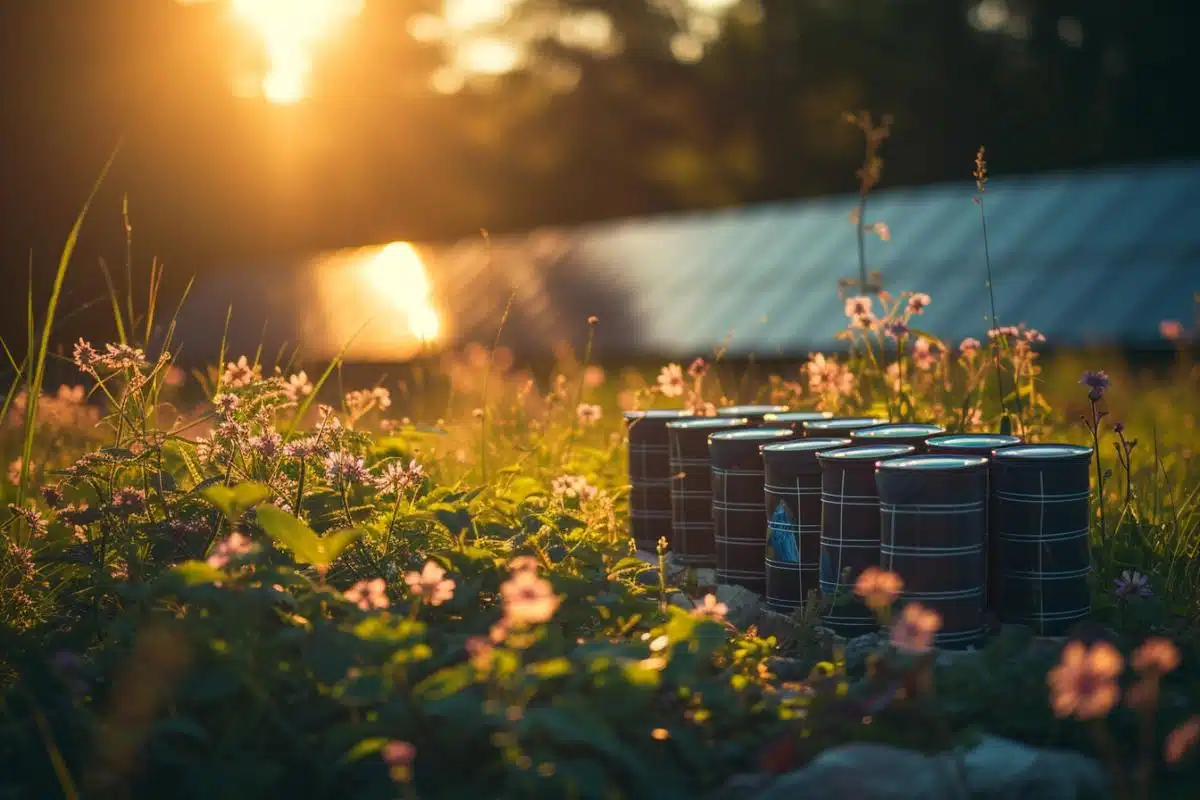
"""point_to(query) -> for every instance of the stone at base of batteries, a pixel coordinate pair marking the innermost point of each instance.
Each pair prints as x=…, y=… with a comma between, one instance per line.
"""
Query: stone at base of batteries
x=857, y=648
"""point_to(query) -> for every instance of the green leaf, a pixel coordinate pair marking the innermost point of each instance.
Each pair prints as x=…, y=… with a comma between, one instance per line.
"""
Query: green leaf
x=335, y=543
x=554, y=668
x=196, y=573
x=627, y=565
x=570, y=726
x=445, y=682
x=367, y=747
x=300, y=540
x=290, y=533
x=567, y=523
x=456, y=519
x=233, y=501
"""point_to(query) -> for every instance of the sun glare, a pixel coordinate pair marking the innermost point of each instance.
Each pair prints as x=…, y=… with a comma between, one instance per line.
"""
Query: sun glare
x=290, y=30
x=397, y=274
x=377, y=301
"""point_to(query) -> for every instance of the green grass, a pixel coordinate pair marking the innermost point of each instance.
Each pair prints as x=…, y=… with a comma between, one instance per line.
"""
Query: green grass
x=247, y=585
x=295, y=690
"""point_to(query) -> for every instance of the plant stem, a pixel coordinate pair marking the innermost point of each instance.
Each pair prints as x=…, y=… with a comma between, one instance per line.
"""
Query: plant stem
x=1112, y=755
x=1095, y=428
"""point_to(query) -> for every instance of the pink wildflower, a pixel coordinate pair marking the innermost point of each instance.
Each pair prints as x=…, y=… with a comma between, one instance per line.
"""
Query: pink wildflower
x=1083, y=684
x=593, y=376
x=914, y=630
x=85, y=356
x=528, y=599
x=297, y=386
x=1180, y=740
x=430, y=584
x=711, y=608
x=232, y=547
x=1157, y=656
x=670, y=380
x=588, y=413
x=240, y=373
x=399, y=757
x=369, y=595
x=858, y=306
x=1171, y=330
x=918, y=302
x=878, y=588
x=924, y=354
x=122, y=356
x=572, y=486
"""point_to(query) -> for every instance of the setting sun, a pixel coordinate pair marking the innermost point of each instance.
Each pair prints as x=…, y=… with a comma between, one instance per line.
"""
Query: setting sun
x=290, y=30
x=397, y=275
x=378, y=301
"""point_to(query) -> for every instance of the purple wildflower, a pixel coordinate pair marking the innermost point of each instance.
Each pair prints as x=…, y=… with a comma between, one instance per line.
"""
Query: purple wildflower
x=396, y=478
x=345, y=468
x=268, y=445
x=307, y=447
x=128, y=499
x=53, y=495
x=1132, y=584
x=226, y=403
x=33, y=517
x=1096, y=382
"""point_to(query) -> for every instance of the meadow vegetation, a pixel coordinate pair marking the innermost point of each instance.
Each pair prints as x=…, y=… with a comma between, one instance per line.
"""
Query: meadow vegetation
x=239, y=582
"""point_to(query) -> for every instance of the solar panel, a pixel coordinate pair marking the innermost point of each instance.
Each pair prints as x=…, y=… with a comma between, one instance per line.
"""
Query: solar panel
x=1104, y=255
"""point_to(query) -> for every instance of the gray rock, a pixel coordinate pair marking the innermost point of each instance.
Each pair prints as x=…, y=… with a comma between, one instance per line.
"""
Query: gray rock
x=994, y=769
x=955, y=658
x=772, y=623
x=742, y=604
x=742, y=786
x=858, y=648
x=789, y=669
x=1001, y=769
x=864, y=772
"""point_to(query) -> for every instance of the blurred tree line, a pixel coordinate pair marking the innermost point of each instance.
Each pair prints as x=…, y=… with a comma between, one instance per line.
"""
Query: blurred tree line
x=615, y=108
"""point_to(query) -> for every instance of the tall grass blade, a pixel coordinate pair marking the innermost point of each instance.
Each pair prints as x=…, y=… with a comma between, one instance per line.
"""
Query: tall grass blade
x=38, y=363
x=115, y=301
x=306, y=404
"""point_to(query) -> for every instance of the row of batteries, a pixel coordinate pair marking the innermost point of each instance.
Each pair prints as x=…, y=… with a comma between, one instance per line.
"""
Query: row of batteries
x=981, y=527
